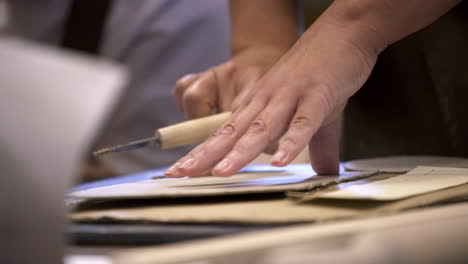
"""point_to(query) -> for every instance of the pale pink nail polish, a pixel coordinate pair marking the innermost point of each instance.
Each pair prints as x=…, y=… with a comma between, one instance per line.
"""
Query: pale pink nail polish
x=279, y=156
x=172, y=171
x=222, y=165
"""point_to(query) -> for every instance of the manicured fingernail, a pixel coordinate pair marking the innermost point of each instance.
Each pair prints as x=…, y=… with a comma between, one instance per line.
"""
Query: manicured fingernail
x=222, y=165
x=188, y=163
x=171, y=170
x=279, y=157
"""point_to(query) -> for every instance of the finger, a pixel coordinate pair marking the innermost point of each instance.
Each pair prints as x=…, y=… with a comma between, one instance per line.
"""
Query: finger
x=308, y=118
x=200, y=98
x=181, y=85
x=173, y=172
x=209, y=153
x=267, y=127
x=324, y=149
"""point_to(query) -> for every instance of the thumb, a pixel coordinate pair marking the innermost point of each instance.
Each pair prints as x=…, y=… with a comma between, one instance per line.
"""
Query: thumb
x=324, y=149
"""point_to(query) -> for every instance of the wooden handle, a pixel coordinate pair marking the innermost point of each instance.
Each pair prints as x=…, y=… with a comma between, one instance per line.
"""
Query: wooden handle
x=190, y=132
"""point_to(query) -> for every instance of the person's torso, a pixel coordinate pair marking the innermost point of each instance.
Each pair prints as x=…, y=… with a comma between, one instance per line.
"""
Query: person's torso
x=160, y=41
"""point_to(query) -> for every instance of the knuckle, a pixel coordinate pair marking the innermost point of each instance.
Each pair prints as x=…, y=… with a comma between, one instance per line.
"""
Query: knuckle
x=180, y=84
x=178, y=89
x=289, y=141
x=186, y=82
x=228, y=129
x=325, y=97
x=186, y=79
x=301, y=122
x=258, y=126
x=260, y=129
x=193, y=97
x=183, y=82
x=229, y=67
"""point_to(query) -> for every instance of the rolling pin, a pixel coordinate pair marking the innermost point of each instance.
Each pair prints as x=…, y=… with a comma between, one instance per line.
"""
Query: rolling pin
x=181, y=134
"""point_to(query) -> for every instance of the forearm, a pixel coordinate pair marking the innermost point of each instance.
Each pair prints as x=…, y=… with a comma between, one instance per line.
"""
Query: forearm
x=375, y=24
x=267, y=23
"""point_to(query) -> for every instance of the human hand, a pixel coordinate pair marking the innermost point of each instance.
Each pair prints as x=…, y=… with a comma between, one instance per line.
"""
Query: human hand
x=298, y=102
x=261, y=32
x=220, y=88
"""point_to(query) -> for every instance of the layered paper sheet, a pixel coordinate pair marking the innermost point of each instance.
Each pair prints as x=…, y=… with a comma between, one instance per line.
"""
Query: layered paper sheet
x=308, y=209
x=418, y=181
x=403, y=164
x=259, y=179
x=255, y=211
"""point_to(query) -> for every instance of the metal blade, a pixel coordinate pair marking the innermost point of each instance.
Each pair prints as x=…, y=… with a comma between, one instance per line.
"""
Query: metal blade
x=147, y=142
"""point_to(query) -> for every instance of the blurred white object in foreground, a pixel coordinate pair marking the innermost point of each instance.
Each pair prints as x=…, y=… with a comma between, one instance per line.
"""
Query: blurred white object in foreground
x=51, y=104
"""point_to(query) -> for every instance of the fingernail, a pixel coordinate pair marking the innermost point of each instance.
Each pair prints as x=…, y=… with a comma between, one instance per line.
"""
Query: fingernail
x=279, y=156
x=188, y=163
x=171, y=171
x=222, y=165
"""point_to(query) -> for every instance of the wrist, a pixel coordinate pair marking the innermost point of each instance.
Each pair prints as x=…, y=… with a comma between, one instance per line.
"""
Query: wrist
x=375, y=24
x=259, y=54
x=358, y=22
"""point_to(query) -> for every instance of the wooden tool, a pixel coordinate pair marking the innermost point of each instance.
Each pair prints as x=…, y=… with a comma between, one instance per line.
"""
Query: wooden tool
x=185, y=133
